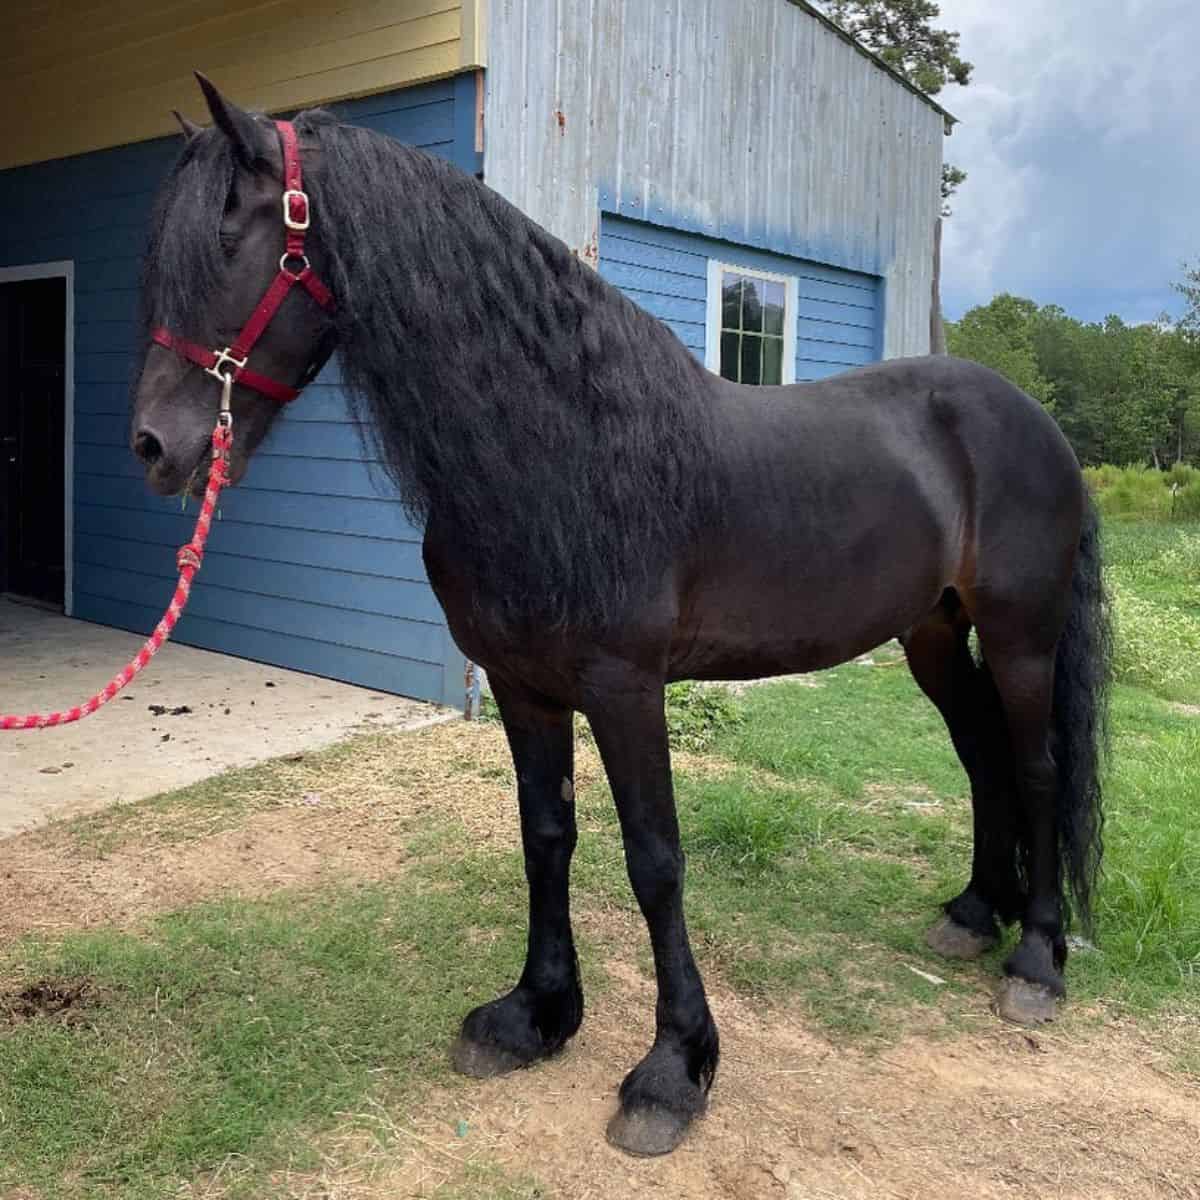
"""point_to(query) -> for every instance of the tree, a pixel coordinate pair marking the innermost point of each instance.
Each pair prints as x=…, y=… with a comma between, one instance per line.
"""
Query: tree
x=1000, y=335
x=902, y=33
x=1121, y=393
x=1189, y=288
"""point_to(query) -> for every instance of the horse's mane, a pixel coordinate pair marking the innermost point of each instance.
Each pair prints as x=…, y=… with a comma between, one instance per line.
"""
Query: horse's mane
x=556, y=434
x=184, y=267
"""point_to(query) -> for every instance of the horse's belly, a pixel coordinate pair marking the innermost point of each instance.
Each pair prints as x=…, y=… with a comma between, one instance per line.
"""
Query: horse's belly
x=750, y=629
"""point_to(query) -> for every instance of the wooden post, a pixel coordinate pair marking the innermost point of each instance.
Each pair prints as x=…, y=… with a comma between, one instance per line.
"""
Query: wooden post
x=937, y=329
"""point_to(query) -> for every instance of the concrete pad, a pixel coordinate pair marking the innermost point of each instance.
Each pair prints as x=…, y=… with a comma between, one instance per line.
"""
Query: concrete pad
x=239, y=713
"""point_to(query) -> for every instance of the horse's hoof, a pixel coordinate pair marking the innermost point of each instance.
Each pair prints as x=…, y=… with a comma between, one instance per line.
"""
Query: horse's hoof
x=480, y=1061
x=1026, y=1003
x=647, y=1132
x=952, y=940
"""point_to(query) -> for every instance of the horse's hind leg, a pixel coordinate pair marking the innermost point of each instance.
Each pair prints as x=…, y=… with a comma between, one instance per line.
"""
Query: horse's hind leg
x=1025, y=680
x=544, y=1010
x=941, y=662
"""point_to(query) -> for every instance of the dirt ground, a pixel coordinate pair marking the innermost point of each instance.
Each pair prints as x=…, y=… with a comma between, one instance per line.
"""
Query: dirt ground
x=794, y=1116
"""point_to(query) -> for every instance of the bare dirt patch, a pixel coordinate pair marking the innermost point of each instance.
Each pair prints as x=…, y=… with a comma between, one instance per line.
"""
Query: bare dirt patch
x=312, y=823
x=796, y=1117
x=57, y=1000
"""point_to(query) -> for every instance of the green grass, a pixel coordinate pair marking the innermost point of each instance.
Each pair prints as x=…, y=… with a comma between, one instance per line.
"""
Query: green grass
x=843, y=858
x=1154, y=575
x=823, y=825
x=230, y=1032
x=1146, y=494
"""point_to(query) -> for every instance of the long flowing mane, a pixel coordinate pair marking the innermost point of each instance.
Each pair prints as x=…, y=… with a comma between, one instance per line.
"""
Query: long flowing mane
x=556, y=431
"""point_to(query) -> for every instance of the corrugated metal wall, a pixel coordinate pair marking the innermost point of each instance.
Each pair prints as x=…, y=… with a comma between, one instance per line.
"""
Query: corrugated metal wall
x=312, y=565
x=746, y=120
x=666, y=272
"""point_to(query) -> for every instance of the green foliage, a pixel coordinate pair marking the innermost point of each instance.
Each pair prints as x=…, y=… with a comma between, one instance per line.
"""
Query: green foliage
x=903, y=34
x=1121, y=393
x=1153, y=576
x=1000, y=335
x=698, y=712
x=1157, y=646
x=1189, y=288
x=1145, y=493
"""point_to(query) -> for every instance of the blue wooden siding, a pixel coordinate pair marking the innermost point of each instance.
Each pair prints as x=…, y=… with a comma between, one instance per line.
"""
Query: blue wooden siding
x=839, y=321
x=313, y=565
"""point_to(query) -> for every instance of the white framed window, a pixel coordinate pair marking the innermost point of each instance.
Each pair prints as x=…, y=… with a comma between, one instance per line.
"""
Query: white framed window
x=751, y=332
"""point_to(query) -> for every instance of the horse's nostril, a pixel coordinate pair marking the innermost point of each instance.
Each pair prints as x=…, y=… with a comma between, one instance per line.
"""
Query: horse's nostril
x=147, y=447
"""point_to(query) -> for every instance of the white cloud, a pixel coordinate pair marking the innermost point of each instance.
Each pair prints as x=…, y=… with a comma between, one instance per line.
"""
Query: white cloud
x=1081, y=136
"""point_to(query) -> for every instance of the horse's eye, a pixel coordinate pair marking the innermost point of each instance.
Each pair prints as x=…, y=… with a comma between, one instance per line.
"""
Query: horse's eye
x=229, y=242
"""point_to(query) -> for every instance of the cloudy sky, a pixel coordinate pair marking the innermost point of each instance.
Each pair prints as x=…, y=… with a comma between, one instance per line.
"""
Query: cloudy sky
x=1081, y=135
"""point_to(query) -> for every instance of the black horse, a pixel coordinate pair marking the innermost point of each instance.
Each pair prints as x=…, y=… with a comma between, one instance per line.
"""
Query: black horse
x=603, y=515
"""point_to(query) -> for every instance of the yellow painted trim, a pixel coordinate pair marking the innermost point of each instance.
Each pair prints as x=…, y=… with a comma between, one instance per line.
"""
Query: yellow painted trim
x=120, y=84
x=474, y=33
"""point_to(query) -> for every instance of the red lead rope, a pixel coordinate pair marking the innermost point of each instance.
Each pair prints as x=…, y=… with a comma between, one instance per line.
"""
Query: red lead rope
x=228, y=367
x=188, y=560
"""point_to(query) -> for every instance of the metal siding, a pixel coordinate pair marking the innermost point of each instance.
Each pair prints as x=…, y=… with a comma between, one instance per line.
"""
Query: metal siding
x=745, y=120
x=666, y=272
x=312, y=565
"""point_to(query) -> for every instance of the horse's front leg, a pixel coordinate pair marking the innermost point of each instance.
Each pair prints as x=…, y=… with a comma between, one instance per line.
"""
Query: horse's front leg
x=661, y=1096
x=544, y=1010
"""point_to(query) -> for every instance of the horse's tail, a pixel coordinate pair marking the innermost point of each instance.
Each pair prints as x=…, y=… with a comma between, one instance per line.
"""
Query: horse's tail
x=1082, y=672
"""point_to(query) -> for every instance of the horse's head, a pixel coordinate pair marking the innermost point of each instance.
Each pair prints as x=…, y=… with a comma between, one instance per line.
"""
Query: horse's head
x=218, y=245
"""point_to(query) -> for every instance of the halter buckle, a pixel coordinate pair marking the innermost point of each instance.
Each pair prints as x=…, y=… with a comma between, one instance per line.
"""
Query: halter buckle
x=223, y=357
x=297, y=222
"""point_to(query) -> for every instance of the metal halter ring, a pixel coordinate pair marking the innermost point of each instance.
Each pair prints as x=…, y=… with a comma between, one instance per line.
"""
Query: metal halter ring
x=225, y=357
x=285, y=257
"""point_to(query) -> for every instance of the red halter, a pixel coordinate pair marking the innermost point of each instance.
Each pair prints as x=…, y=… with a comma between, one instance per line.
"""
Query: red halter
x=229, y=365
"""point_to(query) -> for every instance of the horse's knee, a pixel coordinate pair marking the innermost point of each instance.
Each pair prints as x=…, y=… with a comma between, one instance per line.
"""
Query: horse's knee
x=656, y=869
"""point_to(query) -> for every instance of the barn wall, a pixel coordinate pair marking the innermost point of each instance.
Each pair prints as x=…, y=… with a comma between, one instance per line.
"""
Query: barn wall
x=666, y=272
x=312, y=564
x=746, y=120
x=94, y=73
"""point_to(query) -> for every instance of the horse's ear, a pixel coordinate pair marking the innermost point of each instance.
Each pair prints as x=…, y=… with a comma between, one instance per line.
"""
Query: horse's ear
x=190, y=128
x=250, y=138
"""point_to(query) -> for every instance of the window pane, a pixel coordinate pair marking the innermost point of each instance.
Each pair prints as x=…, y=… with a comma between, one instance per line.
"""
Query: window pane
x=774, y=298
x=752, y=313
x=729, y=355
x=731, y=301
x=751, y=359
x=772, y=360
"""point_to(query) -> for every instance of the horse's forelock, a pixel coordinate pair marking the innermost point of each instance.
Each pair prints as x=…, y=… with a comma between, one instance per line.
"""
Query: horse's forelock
x=184, y=263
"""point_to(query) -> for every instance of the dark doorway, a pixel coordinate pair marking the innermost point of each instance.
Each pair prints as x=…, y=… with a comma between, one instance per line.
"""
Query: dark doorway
x=32, y=431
